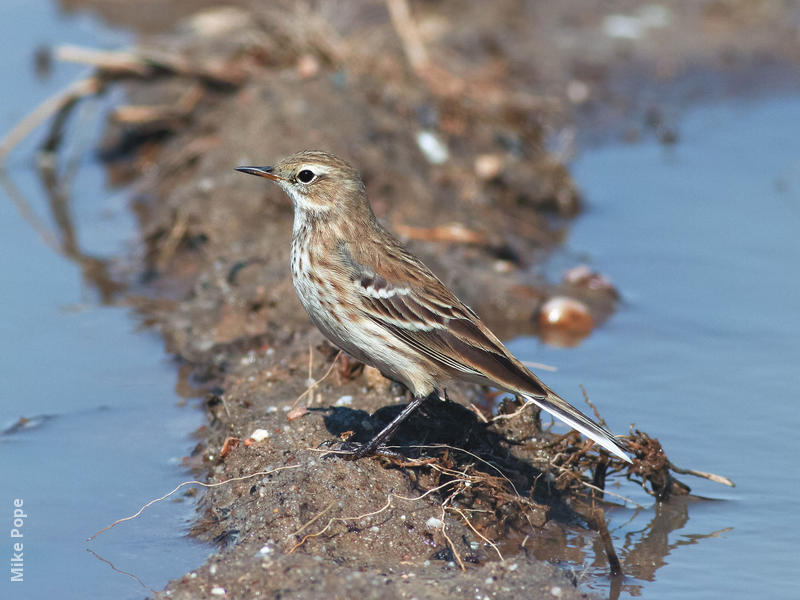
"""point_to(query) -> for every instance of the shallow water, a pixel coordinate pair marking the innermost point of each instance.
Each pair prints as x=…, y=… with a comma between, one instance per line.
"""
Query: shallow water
x=107, y=430
x=703, y=241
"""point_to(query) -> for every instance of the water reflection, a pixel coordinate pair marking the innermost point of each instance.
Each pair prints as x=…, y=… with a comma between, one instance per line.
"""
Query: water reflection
x=121, y=572
x=642, y=550
x=88, y=408
x=64, y=240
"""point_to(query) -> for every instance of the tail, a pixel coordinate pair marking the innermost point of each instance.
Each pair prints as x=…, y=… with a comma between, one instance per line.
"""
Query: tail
x=561, y=409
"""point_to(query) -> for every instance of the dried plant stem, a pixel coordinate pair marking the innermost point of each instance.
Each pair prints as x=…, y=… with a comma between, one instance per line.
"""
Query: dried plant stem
x=478, y=413
x=383, y=508
x=86, y=86
x=147, y=62
x=597, y=416
x=408, y=33
x=478, y=533
x=184, y=484
x=599, y=518
x=318, y=381
x=476, y=457
x=594, y=487
x=313, y=520
x=517, y=412
x=447, y=537
x=704, y=475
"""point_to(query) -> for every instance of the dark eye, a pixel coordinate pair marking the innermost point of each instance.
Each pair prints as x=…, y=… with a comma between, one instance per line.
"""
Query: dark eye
x=305, y=176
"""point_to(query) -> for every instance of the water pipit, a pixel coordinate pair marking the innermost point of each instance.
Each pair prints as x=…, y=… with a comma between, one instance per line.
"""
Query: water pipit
x=380, y=304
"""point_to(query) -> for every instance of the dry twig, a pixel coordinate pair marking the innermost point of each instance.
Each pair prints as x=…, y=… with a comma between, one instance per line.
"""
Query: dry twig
x=710, y=476
x=517, y=412
x=447, y=537
x=478, y=533
x=86, y=86
x=408, y=33
x=184, y=484
x=597, y=416
x=147, y=63
x=318, y=381
x=384, y=508
x=453, y=232
x=114, y=65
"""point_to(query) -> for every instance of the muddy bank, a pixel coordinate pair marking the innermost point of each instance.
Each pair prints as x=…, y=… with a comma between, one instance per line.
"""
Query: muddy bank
x=500, y=96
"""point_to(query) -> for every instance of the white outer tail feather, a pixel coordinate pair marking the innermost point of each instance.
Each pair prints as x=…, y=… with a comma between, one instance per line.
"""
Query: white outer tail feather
x=599, y=436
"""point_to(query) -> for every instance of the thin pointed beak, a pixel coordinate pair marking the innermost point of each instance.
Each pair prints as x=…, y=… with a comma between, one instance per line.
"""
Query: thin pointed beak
x=260, y=172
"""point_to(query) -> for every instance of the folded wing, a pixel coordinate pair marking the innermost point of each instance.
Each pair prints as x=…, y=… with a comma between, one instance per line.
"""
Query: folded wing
x=409, y=301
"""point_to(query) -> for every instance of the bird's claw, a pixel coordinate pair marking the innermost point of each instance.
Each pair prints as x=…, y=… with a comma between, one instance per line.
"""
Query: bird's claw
x=356, y=450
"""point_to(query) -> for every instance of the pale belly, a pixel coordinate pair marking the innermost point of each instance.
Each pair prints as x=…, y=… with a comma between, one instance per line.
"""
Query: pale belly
x=359, y=337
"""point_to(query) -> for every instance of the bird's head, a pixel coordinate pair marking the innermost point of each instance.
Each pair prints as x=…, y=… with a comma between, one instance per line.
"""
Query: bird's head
x=317, y=182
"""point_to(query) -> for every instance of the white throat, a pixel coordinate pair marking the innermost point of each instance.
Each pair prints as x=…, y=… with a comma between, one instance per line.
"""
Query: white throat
x=302, y=205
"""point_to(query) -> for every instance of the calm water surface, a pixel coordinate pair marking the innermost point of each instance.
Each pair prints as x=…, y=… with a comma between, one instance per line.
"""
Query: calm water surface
x=107, y=430
x=703, y=240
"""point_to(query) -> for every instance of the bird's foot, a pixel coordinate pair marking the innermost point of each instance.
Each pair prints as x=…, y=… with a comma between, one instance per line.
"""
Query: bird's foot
x=356, y=450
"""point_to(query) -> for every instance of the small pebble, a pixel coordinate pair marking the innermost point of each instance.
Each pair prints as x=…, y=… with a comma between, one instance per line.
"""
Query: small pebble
x=556, y=591
x=488, y=166
x=218, y=591
x=433, y=524
x=622, y=27
x=307, y=66
x=577, y=91
x=566, y=314
x=432, y=147
x=218, y=22
x=259, y=435
x=585, y=277
x=344, y=401
x=205, y=184
x=635, y=26
x=503, y=266
x=296, y=413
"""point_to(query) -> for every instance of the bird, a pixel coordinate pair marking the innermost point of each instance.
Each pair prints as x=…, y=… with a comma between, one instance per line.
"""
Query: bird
x=383, y=306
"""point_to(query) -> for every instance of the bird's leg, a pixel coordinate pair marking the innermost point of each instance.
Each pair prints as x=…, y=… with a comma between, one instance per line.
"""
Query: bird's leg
x=372, y=447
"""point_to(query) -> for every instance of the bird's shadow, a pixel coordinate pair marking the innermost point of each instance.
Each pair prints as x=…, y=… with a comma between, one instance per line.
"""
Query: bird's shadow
x=446, y=426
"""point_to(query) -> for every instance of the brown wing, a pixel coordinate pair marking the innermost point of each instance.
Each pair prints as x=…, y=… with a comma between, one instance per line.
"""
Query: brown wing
x=402, y=295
